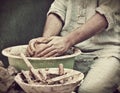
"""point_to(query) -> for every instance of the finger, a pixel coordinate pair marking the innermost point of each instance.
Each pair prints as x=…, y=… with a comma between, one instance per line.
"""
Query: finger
x=29, y=52
x=55, y=55
x=32, y=45
x=47, y=50
x=43, y=40
x=41, y=48
x=52, y=37
x=50, y=54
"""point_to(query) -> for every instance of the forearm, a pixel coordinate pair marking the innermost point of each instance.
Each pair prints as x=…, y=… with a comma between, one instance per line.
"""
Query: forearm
x=95, y=25
x=53, y=26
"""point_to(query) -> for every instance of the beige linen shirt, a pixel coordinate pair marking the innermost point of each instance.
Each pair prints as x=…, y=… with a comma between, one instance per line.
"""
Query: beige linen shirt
x=74, y=13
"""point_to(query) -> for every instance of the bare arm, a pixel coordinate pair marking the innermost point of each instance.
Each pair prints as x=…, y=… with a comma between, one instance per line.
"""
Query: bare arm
x=95, y=25
x=53, y=26
x=61, y=44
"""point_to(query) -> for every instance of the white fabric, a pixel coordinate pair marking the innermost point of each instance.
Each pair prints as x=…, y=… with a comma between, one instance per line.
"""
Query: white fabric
x=75, y=13
x=104, y=74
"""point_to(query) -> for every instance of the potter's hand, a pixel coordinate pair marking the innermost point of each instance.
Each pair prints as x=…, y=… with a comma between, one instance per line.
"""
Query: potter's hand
x=56, y=47
x=34, y=42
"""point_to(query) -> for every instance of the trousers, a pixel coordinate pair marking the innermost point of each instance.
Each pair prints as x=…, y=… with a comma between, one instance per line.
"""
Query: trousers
x=101, y=69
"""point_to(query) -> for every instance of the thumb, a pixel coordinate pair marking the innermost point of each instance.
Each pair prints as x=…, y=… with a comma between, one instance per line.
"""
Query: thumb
x=43, y=40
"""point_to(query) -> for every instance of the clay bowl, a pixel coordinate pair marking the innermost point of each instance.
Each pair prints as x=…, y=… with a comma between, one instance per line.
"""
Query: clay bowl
x=13, y=54
x=67, y=87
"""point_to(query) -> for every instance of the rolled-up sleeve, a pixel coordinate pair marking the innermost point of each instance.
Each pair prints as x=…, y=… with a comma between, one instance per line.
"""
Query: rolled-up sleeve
x=58, y=7
x=109, y=8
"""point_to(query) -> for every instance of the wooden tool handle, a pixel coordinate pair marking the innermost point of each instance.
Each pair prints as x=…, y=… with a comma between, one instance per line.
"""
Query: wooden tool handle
x=29, y=65
x=61, y=69
x=31, y=69
x=51, y=81
x=27, y=76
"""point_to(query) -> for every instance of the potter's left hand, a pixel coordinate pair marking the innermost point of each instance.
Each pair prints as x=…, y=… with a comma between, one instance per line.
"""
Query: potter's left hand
x=57, y=46
x=34, y=42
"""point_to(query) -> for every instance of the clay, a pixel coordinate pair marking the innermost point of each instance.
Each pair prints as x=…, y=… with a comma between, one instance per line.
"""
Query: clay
x=51, y=78
x=7, y=83
x=37, y=75
x=71, y=79
x=1, y=64
x=37, y=47
x=69, y=52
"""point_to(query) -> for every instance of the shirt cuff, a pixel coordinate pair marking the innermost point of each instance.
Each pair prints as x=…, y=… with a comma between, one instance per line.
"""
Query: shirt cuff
x=59, y=13
x=106, y=11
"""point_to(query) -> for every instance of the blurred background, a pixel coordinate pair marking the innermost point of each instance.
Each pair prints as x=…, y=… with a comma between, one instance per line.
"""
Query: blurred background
x=20, y=21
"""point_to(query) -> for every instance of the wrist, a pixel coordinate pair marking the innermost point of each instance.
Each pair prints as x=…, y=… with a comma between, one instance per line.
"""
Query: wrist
x=46, y=35
x=68, y=41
